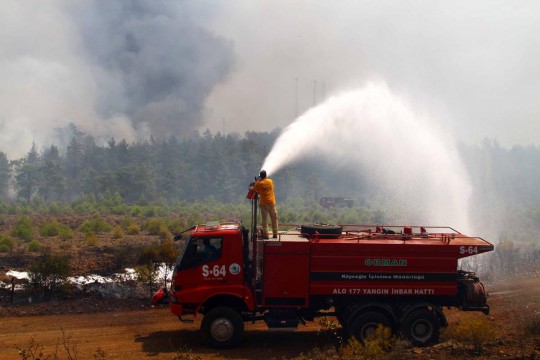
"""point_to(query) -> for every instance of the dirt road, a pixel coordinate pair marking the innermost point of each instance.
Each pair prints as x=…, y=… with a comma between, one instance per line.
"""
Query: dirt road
x=157, y=334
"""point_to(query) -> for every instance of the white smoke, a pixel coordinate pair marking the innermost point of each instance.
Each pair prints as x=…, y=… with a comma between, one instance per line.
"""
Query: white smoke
x=414, y=163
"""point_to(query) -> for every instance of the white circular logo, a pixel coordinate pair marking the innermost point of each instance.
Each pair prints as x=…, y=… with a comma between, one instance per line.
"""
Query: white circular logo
x=234, y=269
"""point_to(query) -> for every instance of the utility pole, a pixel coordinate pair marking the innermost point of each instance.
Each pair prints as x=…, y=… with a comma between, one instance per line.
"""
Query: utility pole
x=314, y=92
x=295, y=97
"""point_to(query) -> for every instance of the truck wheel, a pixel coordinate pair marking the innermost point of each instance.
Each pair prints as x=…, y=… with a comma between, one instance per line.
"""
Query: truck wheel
x=222, y=327
x=421, y=327
x=327, y=231
x=366, y=324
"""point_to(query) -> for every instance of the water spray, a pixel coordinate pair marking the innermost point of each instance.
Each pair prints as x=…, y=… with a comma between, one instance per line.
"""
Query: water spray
x=416, y=165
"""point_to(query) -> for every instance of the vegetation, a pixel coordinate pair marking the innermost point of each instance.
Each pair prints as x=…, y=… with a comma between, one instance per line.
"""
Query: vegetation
x=158, y=177
x=54, y=228
x=6, y=243
x=151, y=258
x=49, y=272
x=23, y=228
x=473, y=330
x=34, y=246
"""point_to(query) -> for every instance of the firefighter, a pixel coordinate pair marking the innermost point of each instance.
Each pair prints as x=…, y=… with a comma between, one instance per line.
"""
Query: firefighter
x=265, y=188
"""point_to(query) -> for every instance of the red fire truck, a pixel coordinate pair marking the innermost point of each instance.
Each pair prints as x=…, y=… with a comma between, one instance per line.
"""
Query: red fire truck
x=364, y=275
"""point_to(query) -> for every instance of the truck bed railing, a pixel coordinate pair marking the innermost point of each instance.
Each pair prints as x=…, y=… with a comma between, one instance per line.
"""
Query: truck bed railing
x=354, y=232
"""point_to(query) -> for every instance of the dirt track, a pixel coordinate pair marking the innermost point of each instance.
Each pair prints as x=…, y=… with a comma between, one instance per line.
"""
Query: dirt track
x=157, y=334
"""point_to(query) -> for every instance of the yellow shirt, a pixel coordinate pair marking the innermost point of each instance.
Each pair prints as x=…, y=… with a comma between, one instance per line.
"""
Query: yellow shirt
x=265, y=188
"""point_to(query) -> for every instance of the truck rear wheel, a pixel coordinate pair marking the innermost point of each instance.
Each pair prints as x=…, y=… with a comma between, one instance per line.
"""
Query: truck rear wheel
x=365, y=325
x=222, y=327
x=421, y=327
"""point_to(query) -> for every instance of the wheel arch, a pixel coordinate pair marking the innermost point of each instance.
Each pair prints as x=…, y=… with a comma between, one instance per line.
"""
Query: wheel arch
x=228, y=300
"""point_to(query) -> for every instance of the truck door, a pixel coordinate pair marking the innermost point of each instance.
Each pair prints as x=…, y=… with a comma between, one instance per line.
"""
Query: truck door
x=207, y=264
x=199, y=267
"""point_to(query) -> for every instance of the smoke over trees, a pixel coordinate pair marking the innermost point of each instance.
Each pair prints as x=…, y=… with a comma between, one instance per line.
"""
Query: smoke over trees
x=114, y=69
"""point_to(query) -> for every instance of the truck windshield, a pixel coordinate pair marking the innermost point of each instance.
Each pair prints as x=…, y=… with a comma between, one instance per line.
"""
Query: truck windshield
x=198, y=251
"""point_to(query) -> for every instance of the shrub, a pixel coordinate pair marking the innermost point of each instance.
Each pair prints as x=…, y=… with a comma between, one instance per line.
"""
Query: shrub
x=117, y=232
x=54, y=228
x=86, y=227
x=96, y=225
x=65, y=233
x=48, y=272
x=6, y=244
x=176, y=226
x=134, y=229
x=50, y=228
x=154, y=225
x=164, y=233
x=23, y=228
x=91, y=239
x=34, y=246
x=127, y=221
x=473, y=330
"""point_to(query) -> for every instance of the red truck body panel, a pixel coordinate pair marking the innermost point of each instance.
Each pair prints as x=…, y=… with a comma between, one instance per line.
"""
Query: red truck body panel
x=296, y=267
x=286, y=273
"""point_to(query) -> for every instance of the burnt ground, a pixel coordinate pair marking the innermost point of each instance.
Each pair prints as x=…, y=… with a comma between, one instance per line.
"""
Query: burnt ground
x=90, y=326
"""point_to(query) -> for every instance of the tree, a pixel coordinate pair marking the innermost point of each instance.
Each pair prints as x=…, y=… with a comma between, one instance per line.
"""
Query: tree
x=49, y=272
x=52, y=186
x=73, y=167
x=5, y=175
x=28, y=174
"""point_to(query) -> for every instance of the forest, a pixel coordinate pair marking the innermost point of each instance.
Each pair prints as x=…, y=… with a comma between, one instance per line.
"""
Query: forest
x=216, y=169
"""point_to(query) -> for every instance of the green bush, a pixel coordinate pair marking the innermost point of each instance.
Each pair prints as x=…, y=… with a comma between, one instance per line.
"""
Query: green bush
x=154, y=226
x=48, y=272
x=50, y=228
x=54, y=228
x=34, y=246
x=96, y=225
x=65, y=233
x=23, y=228
x=176, y=226
x=6, y=244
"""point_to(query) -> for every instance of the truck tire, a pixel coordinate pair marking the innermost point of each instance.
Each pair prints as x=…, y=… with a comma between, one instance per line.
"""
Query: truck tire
x=222, y=327
x=421, y=327
x=326, y=231
x=365, y=325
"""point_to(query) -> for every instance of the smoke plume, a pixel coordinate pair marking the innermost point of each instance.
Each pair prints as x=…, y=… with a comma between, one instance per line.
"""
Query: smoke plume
x=113, y=69
x=416, y=169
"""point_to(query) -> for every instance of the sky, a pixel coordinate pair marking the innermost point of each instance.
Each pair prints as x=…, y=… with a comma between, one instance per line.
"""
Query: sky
x=134, y=69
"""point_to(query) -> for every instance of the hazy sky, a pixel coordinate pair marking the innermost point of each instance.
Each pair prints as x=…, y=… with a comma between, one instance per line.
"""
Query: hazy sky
x=131, y=69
